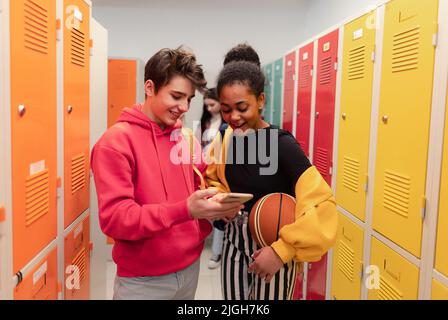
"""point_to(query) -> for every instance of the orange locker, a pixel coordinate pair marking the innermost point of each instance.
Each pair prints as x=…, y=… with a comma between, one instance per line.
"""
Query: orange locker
x=42, y=282
x=76, y=108
x=33, y=127
x=122, y=87
x=77, y=254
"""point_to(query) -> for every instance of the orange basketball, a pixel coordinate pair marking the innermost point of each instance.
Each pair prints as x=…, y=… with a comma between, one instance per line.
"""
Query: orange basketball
x=269, y=215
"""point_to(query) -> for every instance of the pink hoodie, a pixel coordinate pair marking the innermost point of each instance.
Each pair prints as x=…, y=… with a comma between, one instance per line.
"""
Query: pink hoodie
x=142, y=198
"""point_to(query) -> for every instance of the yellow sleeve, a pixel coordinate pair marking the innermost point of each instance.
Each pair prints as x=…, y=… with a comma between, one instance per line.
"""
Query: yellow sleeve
x=315, y=228
x=213, y=159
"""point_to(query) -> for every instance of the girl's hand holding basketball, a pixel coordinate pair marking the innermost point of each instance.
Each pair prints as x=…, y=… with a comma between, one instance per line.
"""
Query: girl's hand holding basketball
x=266, y=263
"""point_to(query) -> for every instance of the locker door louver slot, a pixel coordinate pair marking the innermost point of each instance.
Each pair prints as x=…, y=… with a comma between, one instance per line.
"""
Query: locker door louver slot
x=37, y=197
x=321, y=161
x=405, y=55
x=78, y=47
x=326, y=68
x=78, y=173
x=346, y=261
x=302, y=144
x=357, y=63
x=350, y=176
x=388, y=291
x=305, y=76
x=35, y=27
x=396, y=193
x=80, y=261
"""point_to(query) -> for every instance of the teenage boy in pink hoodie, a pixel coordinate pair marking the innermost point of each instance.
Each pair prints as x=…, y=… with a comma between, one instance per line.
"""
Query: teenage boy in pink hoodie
x=147, y=200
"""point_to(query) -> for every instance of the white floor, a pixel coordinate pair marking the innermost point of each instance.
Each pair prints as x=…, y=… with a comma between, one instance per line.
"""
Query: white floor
x=209, y=284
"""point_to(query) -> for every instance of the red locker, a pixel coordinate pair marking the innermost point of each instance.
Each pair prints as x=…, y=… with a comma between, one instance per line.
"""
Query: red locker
x=317, y=280
x=288, y=93
x=298, y=290
x=304, y=94
x=325, y=104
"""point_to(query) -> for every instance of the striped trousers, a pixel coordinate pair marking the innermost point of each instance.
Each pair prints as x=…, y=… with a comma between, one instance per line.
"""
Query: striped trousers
x=236, y=282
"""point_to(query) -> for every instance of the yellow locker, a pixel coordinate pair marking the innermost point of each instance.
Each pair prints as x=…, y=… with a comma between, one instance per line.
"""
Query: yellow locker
x=33, y=127
x=398, y=278
x=441, y=263
x=347, y=261
x=404, y=118
x=76, y=108
x=354, y=125
x=439, y=291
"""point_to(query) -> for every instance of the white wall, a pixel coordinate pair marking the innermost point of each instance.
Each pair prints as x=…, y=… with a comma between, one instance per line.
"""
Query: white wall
x=209, y=27
x=323, y=14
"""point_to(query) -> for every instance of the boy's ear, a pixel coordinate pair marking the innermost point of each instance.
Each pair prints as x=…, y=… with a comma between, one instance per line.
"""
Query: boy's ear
x=149, y=88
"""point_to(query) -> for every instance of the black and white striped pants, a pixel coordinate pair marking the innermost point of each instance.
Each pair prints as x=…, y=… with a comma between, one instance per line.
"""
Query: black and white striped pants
x=237, y=283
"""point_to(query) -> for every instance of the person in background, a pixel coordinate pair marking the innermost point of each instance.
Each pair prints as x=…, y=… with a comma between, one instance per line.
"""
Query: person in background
x=147, y=200
x=248, y=271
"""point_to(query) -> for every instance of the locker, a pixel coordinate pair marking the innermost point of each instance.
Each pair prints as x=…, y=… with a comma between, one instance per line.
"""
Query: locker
x=77, y=254
x=354, y=124
x=304, y=92
x=439, y=291
x=441, y=259
x=398, y=278
x=298, y=290
x=42, y=282
x=327, y=58
x=122, y=87
x=317, y=279
x=277, y=91
x=404, y=118
x=347, y=261
x=268, y=93
x=76, y=108
x=33, y=127
x=288, y=91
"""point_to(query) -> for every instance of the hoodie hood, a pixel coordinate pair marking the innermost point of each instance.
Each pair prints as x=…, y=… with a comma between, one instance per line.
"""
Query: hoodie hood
x=135, y=116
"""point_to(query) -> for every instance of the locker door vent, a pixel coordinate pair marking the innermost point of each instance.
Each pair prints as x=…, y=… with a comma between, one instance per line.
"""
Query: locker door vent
x=388, y=291
x=305, y=77
x=396, y=193
x=78, y=173
x=321, y=161
x=37, y=197
x=346, y=261
x=302, y=144
x=326, y=67
x=350, y=176
x=78, y=48
x=80, y=261
x=405, y=54
x=357, y=63
x=36, y=27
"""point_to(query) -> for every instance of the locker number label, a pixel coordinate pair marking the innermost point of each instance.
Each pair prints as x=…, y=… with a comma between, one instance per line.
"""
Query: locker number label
x=358, y=34
x=37, y=167
x=305, y=56
x=327, y=46
x=40, y=272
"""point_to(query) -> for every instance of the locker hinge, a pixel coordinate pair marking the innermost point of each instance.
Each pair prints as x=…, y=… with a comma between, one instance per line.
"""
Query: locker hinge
x=331, y=171
x=91, y=47
x=435, y=36
x=336, y=66
x=311, y=72
x=373, y=56
x=361, y=273
x=366, y=185
x=58, y=30
x=424, y=203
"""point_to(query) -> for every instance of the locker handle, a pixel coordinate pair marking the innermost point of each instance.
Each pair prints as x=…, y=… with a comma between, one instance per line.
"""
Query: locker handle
x=344, y=116
x=69, y=109
x=22, y=110
x=394, y=275
x=298, y=113
x=317, y=115
x=385, y=119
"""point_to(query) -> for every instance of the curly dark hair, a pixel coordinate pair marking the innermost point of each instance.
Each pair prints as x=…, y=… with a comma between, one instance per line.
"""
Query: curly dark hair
x=167, y=63
x=242, y=72
x=211, y=94
x=242, y=52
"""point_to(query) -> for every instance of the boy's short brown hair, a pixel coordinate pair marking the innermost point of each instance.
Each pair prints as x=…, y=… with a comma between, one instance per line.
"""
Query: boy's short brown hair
x=167, y=63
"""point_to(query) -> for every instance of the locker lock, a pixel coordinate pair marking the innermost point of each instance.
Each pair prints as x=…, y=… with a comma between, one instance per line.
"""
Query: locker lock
x=385, y=119
x=22, y=110
x=344, y=116
x=69, y=109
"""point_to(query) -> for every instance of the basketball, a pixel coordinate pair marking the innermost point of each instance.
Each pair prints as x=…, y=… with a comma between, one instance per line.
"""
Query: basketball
x=269, y=214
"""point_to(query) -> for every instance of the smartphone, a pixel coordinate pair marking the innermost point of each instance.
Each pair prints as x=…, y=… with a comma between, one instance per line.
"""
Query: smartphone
x=236, y=197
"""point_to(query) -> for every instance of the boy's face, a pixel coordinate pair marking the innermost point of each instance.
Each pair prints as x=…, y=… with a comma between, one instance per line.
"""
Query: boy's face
x=171, y=101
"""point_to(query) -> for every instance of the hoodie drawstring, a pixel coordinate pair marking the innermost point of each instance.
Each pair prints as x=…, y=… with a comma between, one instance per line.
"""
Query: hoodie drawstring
x=158, y=159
